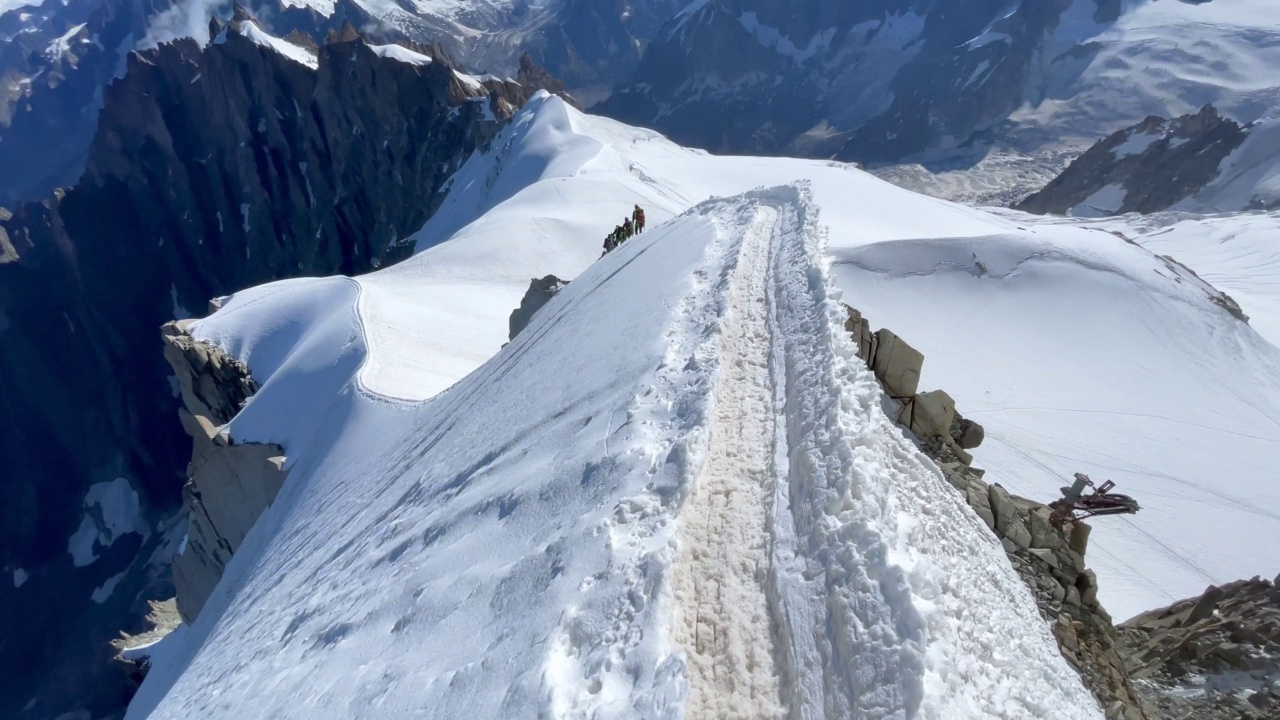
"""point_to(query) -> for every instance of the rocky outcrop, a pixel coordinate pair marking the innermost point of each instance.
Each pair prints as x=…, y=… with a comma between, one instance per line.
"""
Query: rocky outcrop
x=1050, y=558
x=1212, y=657
x=213, y=169
x=540, y=292
x=1145, y=168
x=229, y=484
x=1215, y=296
x=133, y=652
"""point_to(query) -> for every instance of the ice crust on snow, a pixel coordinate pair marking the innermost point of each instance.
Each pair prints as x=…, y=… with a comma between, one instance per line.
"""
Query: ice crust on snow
x=522, y=506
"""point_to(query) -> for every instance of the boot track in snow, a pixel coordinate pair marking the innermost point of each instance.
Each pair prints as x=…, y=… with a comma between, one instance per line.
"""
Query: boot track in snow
x=818, y=572
x=719, y=578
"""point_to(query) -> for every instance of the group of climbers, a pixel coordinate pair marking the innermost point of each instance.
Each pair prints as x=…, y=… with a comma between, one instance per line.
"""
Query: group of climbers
x=631, y=226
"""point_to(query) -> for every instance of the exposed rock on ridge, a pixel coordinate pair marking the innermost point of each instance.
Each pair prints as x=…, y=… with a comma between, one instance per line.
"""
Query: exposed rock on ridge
x=1212, y=657
x=229, y=484
x=540, y=292
x=1049, y=559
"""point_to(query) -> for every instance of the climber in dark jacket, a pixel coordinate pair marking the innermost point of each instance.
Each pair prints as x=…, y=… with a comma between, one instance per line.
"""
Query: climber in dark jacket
x=627, y=230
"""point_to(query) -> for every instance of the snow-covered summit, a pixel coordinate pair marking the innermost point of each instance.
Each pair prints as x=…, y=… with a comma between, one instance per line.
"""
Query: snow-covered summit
x=471, y=529
x=249, y=28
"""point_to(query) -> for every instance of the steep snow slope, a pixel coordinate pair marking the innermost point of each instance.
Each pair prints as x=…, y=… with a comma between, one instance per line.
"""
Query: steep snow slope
x=1079, y=354
x=529, y=518
x=1238, y=254
x=507, y=548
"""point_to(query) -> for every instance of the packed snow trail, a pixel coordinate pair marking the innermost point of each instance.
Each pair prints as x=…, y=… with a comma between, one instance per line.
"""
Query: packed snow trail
x=723, y=614
x=892, y=599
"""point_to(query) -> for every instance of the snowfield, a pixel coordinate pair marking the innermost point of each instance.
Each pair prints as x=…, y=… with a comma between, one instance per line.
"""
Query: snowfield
x=1158, y=58
x=676, y=492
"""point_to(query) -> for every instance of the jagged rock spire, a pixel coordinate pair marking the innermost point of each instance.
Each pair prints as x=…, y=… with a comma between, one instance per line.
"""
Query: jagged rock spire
x=240, y=13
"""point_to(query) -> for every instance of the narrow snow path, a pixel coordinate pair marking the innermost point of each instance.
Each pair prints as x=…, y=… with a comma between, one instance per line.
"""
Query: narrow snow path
x=723, y=614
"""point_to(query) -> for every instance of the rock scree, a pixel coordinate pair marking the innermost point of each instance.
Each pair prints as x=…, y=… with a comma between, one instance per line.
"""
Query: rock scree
x=1212, y=657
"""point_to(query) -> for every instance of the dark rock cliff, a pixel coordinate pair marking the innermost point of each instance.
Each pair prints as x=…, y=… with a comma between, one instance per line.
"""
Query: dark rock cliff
x=212, y=169
x=229, y=484
x=1144, y=168
x=56, y=58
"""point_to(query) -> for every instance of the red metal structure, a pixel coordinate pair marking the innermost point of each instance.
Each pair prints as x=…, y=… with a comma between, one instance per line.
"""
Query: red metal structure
x=1077, y=505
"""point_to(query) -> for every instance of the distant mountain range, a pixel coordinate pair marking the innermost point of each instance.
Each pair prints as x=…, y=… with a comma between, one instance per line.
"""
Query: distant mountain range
x=942, y=80
x=934, y=81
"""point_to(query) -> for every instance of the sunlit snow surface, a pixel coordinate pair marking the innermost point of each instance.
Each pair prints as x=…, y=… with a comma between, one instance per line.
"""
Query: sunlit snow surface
x=1159, y=58
x=500, y=550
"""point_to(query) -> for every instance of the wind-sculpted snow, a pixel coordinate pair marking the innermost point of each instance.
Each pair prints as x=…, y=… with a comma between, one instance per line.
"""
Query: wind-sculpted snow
x=429, y=558
x=1238, y=254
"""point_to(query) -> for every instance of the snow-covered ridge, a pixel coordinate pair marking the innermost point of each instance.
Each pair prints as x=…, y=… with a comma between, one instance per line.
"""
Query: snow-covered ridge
x=478, y=537
x=520, y=503
x=253, y=32
x=558, y=180
x=303, y=55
